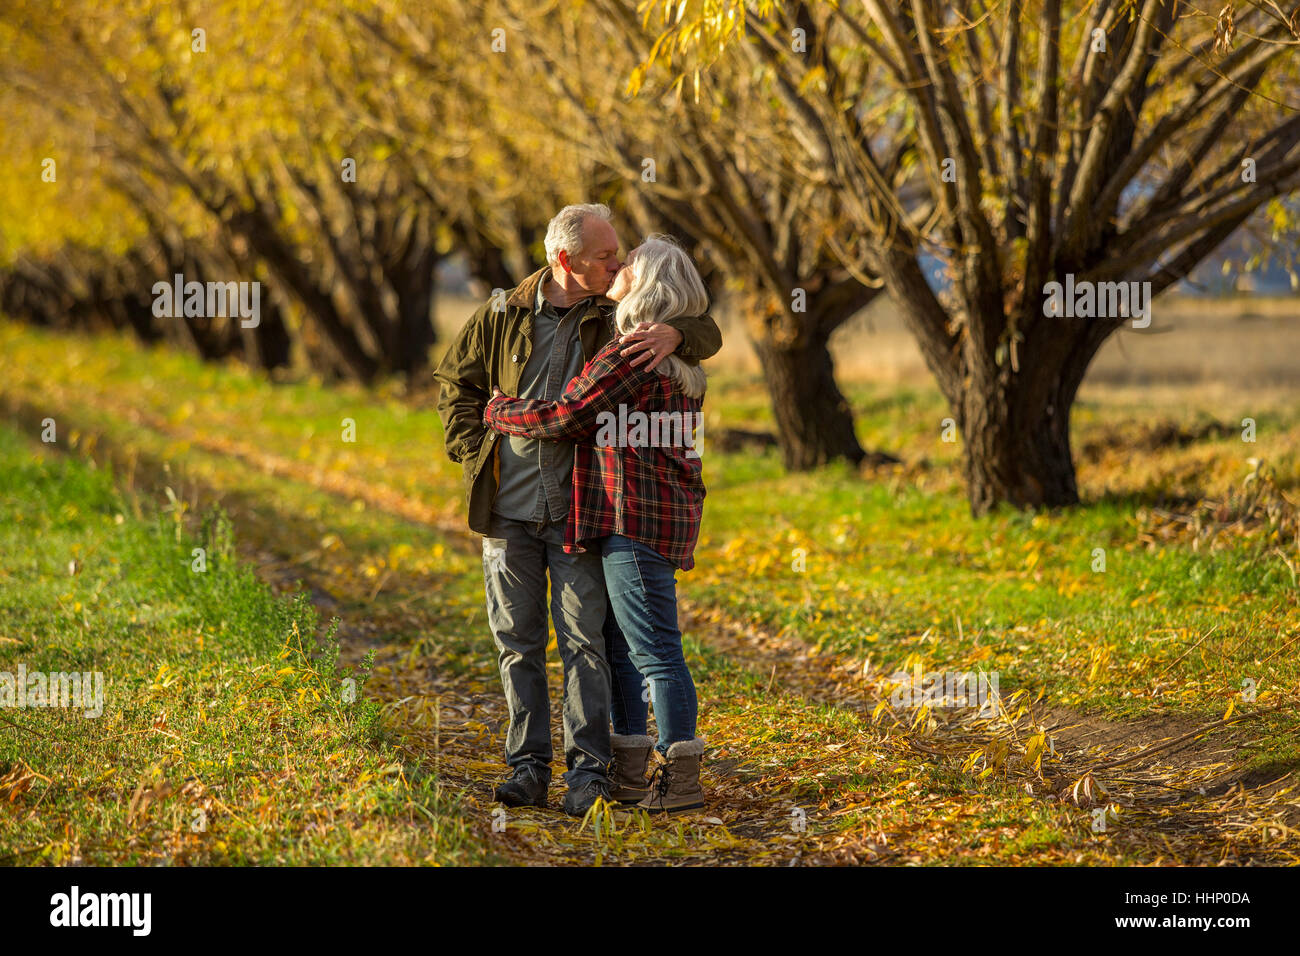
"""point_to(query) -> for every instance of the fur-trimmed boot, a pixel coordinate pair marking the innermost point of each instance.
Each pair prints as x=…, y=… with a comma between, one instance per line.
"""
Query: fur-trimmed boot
x=675, y=779
x=627, y=783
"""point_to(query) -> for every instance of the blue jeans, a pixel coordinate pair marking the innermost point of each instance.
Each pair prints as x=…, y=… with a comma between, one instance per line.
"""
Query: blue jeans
x=644, y=644
x=518, y=557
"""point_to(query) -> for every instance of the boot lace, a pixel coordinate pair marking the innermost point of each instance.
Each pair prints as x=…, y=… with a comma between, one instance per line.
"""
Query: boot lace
x=660, y=779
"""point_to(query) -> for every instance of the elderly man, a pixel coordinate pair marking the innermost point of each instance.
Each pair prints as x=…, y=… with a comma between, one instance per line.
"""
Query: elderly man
x=529, y=342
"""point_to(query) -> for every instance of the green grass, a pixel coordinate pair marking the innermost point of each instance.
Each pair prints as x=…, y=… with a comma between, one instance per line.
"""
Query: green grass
x=893, y=562
x=894, y=569
x=222, y=714
x=892, y=572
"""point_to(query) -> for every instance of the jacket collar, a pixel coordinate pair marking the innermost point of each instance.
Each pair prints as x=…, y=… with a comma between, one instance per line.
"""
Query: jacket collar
x=525, y=294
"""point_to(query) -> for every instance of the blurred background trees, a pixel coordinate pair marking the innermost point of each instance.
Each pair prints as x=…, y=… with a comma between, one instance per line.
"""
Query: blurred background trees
x=1109, y=141
x=813, y=156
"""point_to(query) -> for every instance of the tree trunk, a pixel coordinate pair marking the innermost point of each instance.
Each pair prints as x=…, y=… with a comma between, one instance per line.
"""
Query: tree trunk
x=814, y=424
x=268, y=345
x=1016, y=453
x=416, y=332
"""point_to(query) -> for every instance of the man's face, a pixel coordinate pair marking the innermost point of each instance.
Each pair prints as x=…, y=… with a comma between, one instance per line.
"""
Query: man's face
x=622, y=283
x=595, y=267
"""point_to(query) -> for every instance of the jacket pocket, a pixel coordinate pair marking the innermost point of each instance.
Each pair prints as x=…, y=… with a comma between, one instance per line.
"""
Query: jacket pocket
x=474, y=464
x=483, y=453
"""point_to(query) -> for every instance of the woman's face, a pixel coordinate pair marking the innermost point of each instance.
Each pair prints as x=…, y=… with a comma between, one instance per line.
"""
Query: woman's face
x=622, y=283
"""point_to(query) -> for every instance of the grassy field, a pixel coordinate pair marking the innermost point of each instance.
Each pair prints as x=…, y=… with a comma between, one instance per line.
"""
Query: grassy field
x=227, y=734
x=809, y=593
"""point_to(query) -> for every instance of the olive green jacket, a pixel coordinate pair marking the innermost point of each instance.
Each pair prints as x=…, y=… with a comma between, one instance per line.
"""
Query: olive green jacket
x=491, y=351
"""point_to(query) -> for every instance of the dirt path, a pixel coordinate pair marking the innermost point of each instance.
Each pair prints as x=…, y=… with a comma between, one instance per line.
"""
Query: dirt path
x=798, y=769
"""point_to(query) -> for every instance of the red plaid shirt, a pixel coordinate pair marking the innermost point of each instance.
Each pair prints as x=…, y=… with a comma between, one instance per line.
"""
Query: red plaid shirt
x=622, y=483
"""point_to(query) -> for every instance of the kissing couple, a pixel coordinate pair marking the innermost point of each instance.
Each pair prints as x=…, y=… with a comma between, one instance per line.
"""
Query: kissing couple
x=528, y=389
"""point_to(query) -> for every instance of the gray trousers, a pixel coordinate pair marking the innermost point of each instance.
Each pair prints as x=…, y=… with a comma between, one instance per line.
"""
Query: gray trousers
x=517, y=557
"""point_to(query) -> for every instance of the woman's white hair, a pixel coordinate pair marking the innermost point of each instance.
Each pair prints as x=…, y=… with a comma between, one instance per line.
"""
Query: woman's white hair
x=564, y=232
x=667, y=285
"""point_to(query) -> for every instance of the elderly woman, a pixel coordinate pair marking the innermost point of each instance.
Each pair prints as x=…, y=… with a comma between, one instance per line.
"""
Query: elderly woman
x=638, y=497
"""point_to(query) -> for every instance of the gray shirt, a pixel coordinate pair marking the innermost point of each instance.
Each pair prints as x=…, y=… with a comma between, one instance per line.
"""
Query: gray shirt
x=536, y=474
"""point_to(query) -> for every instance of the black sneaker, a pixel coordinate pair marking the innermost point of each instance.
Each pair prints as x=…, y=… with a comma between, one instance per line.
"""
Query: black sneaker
x=525, y=788
x=580, y=798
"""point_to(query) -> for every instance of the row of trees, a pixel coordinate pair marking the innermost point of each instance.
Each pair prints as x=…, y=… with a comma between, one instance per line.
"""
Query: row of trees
x=815, y=155
x=274, y=142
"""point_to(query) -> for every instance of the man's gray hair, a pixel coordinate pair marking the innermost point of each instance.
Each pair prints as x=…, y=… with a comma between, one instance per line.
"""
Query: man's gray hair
x=565, y=230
